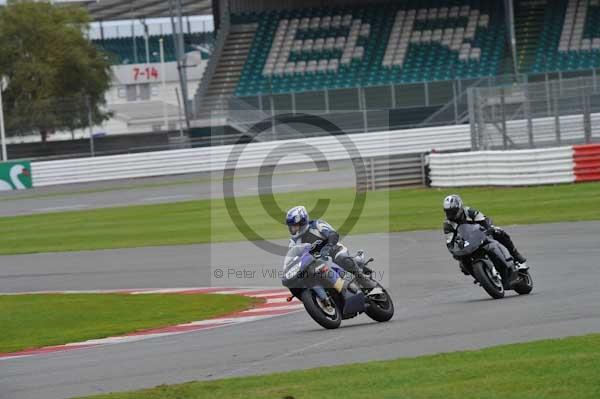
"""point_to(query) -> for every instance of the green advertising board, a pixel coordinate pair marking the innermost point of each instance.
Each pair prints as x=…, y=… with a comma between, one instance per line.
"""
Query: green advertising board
x=15, y=175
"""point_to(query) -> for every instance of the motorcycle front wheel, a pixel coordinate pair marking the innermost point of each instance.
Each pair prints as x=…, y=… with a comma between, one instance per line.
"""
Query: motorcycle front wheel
x=381, y=307
x=526, y=285
x=329, y=317
x=492, y=284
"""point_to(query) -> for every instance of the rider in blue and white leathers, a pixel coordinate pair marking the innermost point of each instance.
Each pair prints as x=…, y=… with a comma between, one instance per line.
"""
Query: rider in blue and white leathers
x=303, y=230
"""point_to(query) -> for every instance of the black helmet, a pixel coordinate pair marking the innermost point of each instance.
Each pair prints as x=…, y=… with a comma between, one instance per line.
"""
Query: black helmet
x=453, y=207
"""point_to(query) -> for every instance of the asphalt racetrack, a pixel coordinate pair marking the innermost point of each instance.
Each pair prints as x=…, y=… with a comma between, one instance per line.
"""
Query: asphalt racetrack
x=437, y=310
x=166, y=189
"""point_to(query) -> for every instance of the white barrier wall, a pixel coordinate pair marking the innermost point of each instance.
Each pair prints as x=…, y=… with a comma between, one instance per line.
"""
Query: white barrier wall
x=502, y=168
x=205, y=159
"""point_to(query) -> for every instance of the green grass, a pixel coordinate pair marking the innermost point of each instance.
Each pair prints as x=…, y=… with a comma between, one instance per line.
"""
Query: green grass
x=567, y=368
x=207, y=221
x=32, y=321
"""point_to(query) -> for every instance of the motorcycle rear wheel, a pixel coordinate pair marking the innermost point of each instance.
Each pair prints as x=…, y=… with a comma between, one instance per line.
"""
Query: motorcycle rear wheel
x=327, y=320
x=493, y=286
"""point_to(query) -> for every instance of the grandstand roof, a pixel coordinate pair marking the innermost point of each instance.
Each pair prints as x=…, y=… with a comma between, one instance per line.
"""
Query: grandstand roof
x=113, y=10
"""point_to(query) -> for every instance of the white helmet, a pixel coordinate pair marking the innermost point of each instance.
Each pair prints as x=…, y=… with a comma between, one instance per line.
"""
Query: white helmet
x=297, y=221
x=453, y=207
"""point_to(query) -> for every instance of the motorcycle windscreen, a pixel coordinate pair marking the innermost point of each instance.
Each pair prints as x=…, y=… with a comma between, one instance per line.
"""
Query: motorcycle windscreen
x=469, y=238
x=293, y=255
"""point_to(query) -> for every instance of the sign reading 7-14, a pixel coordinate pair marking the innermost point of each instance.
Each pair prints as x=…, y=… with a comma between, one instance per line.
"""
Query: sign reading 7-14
x=148, y=73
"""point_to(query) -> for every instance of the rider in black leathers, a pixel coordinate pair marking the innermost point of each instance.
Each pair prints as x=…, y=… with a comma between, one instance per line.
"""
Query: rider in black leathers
x=457, y=214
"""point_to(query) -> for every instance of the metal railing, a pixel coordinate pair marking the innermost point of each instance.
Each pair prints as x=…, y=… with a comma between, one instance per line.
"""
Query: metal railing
x=394, y=171
x=370, y=108
x=544, y=112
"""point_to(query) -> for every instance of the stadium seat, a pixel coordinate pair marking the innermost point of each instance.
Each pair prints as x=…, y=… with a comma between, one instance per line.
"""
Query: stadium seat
x=343, y=47
x=570, y=38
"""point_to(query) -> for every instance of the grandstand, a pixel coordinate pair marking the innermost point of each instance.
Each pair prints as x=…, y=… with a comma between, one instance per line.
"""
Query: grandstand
x=273, y=56
x=366, y=64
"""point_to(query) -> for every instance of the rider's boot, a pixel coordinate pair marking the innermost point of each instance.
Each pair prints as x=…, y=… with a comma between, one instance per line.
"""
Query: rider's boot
x=520, y=259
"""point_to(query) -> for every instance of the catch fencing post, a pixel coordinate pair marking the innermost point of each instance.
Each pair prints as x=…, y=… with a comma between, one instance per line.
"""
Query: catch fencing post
x=504, y=133
x=91, y=124
x=587, y=121
x=556, y=117
x=529, y=119
x=455, y=96
x=2, y=133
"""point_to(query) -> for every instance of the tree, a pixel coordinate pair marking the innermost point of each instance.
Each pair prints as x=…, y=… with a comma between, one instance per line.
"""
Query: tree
x=54, y=72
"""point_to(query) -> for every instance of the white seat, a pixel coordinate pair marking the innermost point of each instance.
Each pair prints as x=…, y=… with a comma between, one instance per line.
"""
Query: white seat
x=297, y=46
x=300, y=67
x=336, y=21
x=308, y=45
x=416, y=37
x=475, y=54
x=346, y=20
x=329, y=43
x=318, y=46
x=322, y=65
x=398, y=60
x=333, y=65
x=278, y=71
x=426, y=36
x=358, y=52
x=365, y=30
x=586, y=44
x=315, y=22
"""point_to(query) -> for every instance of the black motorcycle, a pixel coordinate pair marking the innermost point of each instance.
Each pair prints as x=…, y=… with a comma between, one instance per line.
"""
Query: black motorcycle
x=489, y=262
